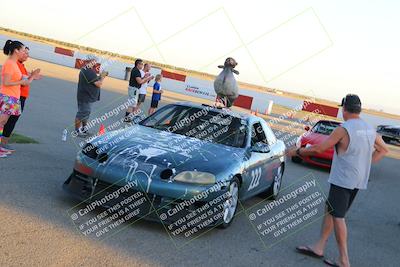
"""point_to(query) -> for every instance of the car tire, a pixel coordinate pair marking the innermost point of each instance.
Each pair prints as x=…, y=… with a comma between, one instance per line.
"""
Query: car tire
x=272, y=192
x=296, y=159
x=230, y=205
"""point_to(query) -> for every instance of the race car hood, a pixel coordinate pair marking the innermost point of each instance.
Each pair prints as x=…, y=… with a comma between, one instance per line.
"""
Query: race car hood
x=147, y=146
x=314, y=138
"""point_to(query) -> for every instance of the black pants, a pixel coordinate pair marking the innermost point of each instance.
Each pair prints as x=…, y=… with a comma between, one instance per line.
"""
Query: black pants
x=12, y=120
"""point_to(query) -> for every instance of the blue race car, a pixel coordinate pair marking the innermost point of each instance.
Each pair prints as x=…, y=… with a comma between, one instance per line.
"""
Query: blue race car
x=181, y=157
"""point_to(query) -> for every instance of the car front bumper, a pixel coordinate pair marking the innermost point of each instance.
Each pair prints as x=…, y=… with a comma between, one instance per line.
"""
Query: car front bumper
x=88, y=190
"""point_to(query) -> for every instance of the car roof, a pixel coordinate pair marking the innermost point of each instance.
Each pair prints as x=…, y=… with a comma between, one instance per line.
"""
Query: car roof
x=237, y=114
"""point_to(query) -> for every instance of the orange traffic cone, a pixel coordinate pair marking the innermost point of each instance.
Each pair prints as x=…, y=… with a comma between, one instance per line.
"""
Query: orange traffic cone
x=256, y=113
x=102, y=130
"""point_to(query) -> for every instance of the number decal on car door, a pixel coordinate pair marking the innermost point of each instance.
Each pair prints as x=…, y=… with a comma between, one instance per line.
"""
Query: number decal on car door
x=255, y=178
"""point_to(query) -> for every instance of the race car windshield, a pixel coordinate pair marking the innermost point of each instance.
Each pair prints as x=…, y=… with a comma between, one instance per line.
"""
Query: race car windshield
x=203, y=124
x=325, y=128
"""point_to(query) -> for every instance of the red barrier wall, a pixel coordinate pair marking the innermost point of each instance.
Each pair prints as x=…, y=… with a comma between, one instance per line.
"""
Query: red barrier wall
x=174, y=76
x=64, y=51
x=320, y=109
x=243, y=101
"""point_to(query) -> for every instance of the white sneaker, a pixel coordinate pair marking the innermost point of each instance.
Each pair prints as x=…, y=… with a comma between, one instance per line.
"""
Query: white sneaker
x=7, y=148
x=84, y=131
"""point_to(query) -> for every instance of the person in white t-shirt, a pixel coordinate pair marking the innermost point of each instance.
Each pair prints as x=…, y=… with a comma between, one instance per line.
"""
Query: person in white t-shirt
x=143, y=88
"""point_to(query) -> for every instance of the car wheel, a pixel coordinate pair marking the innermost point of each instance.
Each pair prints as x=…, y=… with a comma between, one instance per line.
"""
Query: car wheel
x=230, y=205
x=273, y=190
x=297, y=159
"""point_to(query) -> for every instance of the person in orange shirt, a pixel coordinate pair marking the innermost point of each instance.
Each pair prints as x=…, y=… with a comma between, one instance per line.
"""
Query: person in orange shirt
x=11, y=85
x=12, y=120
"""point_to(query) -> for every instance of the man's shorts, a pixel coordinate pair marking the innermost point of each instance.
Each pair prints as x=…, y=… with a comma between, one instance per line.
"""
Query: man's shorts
x=133, y=94
x=154, y=104
x=84, y=109
x=142, y=97
x=340, y=200
x=10, y=105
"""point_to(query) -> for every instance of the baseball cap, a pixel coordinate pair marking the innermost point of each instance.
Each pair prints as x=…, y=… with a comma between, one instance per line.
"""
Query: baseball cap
x=351, y=101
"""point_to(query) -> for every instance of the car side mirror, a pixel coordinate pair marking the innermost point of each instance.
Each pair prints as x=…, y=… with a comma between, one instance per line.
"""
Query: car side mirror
x=307, y=128
x=260, y=148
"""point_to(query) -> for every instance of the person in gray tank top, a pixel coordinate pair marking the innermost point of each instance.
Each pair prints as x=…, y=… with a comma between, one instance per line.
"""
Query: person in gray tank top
x=356, y=145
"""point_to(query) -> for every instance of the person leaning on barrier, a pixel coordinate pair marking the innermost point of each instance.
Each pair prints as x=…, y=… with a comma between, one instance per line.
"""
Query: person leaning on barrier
x=89, y=85
x=356, y=145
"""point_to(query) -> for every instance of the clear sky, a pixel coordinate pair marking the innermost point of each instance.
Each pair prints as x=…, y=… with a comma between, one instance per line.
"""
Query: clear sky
x=323, y=48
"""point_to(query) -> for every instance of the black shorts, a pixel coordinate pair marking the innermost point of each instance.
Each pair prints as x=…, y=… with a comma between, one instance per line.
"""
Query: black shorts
x=340, y=200
x=141, y=98
x=154, y=104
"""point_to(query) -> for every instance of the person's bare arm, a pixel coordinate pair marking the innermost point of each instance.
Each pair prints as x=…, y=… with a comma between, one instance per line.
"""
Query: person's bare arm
x=35, y=74
x=102, y=75
x=381, y=149
x=7, y=81
x=99, y=83
x=140, y=80
x=332, y=140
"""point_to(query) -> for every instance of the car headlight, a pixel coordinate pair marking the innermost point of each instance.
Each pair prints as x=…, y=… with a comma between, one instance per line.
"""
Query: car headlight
x=195, y=177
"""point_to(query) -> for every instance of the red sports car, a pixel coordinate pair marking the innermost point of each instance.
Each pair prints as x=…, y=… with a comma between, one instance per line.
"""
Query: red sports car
x=317, y=134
